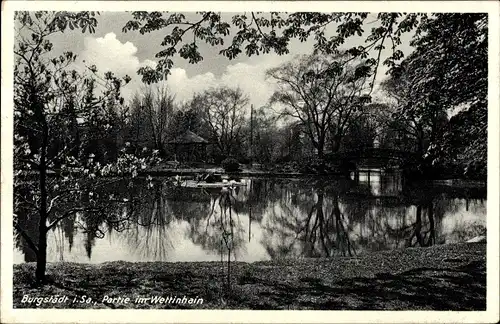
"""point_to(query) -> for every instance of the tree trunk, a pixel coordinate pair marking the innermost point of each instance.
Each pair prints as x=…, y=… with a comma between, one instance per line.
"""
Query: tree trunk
x=41, y=262
x=336, y=143
x=42, y=225
x=418, y=226
x=432, y=235
x=321, y=146
x=320, y=152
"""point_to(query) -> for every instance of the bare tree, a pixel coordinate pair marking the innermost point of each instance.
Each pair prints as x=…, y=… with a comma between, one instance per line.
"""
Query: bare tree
x=325, y=93
x=152, y=113
x=223, y=112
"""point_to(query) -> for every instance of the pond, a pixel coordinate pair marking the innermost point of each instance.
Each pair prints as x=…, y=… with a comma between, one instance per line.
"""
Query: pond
x=272, y=218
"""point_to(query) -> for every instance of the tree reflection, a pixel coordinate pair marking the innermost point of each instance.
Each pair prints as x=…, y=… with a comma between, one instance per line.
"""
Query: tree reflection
x=422, y=233
x=423, y=223
x=292, y=218
x=344, y=219
x=150, y=237
x=223, y=231
x=321, y=232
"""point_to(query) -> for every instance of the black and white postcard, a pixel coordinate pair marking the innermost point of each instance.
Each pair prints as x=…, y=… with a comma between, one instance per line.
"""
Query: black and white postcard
x=210, y=161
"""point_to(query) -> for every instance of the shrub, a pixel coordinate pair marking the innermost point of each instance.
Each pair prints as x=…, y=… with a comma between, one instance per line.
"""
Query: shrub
x=231, y=165
x=244, y=160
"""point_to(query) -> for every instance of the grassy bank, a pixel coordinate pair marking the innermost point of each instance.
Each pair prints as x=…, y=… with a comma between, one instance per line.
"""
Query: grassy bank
x=447, y=277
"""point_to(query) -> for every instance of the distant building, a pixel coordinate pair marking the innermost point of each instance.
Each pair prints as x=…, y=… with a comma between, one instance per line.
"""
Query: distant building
x=189, y=147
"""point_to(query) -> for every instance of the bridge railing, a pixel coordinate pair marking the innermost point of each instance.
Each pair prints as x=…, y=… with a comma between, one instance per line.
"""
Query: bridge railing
x=372, y=153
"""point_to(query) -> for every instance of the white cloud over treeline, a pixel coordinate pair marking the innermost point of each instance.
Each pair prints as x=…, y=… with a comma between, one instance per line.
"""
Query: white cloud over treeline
x=108, y=53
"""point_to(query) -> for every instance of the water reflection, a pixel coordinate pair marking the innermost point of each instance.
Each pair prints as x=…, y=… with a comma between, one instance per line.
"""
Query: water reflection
x=270, y=219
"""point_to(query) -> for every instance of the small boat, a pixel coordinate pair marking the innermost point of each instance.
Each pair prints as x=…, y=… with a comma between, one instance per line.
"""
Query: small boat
x=201, y=184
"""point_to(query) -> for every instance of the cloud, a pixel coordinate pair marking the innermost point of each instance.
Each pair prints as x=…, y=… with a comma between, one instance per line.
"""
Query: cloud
x=252, y=80
x=108, y=53
x=185, y=87
x=249, y=77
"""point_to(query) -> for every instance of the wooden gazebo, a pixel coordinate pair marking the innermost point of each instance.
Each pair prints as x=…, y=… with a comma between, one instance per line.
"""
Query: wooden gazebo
x=189, y=147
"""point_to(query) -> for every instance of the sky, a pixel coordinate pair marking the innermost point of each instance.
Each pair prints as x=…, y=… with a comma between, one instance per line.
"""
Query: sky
x=123, y=53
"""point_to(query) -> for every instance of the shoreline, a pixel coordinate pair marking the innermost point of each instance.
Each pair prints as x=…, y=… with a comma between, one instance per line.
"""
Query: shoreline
x=251, y=173
x=441, y=277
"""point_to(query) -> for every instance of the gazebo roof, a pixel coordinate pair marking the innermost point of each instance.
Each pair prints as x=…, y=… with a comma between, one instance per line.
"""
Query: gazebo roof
x=188, y=137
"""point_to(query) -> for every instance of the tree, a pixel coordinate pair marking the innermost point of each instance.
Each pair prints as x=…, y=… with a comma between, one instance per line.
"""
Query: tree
x=151, y=117
x=188, y=117
x=265, y=135
x=54, y=177
x=419, y=122
x=324, y=93
x=465, y=144
x=223, y=112
x=258, y=33
x=262, y=32
x=443, y=42
x=361, y=134
x=450, y=50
